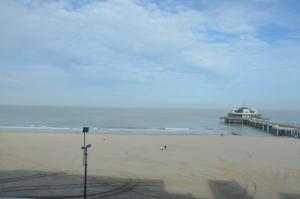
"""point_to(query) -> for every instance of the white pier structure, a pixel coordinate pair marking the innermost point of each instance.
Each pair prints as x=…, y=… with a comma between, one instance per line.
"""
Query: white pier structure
x=250, y=117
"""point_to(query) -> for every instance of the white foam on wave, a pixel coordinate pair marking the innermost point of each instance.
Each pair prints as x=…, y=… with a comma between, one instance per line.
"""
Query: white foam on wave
x=43, y=127
x=177, y=129
x=133, y=130
x=147, y=130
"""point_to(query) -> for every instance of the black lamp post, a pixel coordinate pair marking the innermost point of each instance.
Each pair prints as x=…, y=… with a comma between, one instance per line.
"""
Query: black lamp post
x=85, y=166
x=85, y=154
x=84, y=130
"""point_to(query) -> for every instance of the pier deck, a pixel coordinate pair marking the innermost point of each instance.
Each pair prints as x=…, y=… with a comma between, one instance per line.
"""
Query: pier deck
x=266, y=125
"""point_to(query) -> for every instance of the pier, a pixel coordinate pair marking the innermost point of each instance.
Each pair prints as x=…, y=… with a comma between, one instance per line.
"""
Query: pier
x=250, y=117
x=266, y=125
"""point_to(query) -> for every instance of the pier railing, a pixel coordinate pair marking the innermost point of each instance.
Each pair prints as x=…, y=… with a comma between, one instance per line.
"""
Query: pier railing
x=279, y=129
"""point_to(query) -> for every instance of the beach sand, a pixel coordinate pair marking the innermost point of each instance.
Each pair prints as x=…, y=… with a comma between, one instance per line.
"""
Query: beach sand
x=202, y=166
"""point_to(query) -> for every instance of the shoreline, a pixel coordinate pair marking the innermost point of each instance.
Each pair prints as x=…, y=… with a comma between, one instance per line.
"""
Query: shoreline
x=189, y=165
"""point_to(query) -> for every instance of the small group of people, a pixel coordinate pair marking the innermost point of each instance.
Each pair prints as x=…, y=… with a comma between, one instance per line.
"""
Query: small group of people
x=163, y=148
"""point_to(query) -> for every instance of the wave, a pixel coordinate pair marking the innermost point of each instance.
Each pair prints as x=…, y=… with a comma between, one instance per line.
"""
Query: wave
x=44, y=127
x=176, y=129
x=150, y=130
x=33, y=127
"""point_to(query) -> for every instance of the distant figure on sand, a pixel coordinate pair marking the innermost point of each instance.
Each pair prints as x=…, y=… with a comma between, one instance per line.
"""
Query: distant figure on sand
x=163, y=148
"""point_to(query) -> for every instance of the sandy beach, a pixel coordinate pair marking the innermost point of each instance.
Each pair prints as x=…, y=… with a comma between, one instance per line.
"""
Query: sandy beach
x=199, y=166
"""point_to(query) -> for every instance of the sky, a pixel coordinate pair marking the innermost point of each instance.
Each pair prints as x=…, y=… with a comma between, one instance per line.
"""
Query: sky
x=150, y=53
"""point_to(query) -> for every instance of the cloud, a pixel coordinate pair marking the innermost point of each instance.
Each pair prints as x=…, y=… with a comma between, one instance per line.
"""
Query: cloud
x=115, y=44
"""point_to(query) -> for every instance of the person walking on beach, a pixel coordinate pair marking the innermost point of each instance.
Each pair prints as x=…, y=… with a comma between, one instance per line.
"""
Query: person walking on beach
x=165, y=147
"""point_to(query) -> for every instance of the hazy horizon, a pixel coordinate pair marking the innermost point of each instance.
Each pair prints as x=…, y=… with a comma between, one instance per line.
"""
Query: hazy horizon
x=227, y=108
x=150, y=53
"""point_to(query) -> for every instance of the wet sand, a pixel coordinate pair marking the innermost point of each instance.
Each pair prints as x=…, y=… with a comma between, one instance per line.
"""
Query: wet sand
x=193, y=166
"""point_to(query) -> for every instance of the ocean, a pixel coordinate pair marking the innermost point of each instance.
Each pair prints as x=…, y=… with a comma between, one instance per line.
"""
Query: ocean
x=130, y=120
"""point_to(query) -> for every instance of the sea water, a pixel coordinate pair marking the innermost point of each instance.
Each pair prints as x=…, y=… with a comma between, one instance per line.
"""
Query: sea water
x=130, y=120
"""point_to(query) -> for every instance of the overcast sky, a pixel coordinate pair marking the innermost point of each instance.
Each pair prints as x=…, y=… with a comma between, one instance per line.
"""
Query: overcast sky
x=151, y=53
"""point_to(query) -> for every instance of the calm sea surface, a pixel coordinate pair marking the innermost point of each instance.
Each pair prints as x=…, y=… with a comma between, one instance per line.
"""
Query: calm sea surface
x=129, y=120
